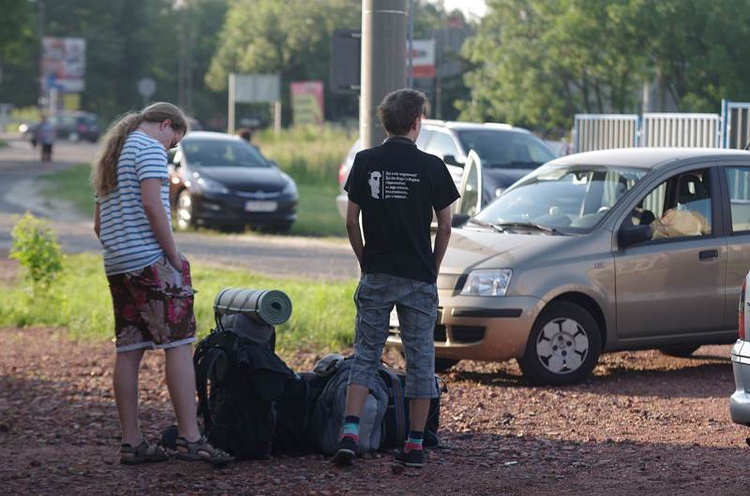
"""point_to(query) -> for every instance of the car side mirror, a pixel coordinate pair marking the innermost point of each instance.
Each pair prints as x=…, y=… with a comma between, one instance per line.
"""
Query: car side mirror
x=451, y=160
x=632, y=235
x=458, y=220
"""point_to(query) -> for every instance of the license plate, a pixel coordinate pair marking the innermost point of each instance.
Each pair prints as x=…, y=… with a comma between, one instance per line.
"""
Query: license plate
x=261, y=206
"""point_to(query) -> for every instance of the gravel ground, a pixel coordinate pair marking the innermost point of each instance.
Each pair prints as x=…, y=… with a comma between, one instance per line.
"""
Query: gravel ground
x=644, y=424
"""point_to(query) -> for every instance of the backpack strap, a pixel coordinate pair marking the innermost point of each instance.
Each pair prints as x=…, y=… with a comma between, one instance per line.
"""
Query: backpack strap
x=205, y=361
x=396, y=401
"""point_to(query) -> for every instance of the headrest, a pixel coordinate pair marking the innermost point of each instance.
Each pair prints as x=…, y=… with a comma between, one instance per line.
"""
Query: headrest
x=690, y=188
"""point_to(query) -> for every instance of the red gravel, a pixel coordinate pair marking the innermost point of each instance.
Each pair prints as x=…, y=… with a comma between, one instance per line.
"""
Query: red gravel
x=645, y=424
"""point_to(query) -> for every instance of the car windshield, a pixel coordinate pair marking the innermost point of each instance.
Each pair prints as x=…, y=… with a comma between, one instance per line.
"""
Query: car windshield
x=500, y=148
x=222, y=153
x=568, y=199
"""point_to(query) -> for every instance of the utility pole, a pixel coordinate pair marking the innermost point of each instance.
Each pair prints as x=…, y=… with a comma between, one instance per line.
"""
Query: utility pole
x=383, y=62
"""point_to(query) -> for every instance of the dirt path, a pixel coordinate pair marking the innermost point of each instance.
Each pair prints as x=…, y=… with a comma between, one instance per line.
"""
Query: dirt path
x=646, y=424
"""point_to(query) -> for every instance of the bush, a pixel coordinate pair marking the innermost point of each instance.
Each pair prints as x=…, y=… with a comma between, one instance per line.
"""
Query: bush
x=36, y=248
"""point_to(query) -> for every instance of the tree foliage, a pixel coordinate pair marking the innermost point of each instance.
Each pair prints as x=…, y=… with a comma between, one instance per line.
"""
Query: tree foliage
x=538, y=62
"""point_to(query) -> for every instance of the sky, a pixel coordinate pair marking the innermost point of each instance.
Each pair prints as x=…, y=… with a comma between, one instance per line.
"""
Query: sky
x=472, y=9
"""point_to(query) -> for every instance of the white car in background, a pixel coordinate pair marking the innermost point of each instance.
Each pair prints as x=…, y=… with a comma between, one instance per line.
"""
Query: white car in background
x=506, y=153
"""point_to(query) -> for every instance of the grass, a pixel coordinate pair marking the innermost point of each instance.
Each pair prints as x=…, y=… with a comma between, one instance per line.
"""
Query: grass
x=322, y=317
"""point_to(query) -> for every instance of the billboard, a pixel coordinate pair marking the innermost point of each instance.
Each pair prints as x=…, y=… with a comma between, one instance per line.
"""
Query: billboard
x=64, y=64
x=307, y=102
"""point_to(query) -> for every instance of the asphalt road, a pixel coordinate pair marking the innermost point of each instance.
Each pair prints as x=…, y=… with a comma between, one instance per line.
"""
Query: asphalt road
x=22, y=175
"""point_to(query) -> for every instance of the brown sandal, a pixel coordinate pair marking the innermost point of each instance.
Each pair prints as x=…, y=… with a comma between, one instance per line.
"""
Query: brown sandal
x=143, y=453
x=201, y=450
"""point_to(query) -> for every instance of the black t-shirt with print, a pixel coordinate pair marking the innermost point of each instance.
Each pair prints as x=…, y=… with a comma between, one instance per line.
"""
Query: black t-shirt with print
x=397, y=187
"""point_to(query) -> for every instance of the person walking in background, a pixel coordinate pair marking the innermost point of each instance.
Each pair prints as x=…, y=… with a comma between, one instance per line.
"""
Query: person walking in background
x=44, y=136
x=149, y=279
x=396, y=187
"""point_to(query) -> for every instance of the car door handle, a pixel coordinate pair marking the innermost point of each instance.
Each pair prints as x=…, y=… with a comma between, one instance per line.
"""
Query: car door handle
x=708, y=254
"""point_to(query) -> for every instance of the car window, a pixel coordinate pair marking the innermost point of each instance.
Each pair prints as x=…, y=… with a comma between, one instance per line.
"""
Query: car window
x=738, y=179
x=501, y=148
x=568, y=198
x=442, y=144
x=222, y=153
x=677, y=208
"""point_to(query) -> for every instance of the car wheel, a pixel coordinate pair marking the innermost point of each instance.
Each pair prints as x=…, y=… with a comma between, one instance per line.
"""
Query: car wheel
x=183, y=216
x=443, y=364
x=74, y=137
x=563, y=346
x=680, y=350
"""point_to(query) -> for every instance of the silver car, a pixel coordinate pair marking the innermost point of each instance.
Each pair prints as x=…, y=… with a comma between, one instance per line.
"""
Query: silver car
x=739, y=402
x=598, y=252
x=506, y=152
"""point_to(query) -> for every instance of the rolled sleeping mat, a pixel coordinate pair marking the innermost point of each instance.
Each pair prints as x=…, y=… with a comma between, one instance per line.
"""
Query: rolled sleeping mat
x=268, y=306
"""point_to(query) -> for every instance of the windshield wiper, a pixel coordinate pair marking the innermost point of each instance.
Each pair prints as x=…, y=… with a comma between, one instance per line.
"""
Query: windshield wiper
x=484, y=223
x=525, y=225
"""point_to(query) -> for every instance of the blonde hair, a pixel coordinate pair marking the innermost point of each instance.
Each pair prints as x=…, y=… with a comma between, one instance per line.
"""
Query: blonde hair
x=104, y=171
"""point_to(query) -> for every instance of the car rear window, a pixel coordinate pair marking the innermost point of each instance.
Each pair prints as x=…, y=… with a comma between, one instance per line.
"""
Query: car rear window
x=222, y=153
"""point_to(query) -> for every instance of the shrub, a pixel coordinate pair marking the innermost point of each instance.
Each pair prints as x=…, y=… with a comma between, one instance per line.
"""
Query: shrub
x=36, y=248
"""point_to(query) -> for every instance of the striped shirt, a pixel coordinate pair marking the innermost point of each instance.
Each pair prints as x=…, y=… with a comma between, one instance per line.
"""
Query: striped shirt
x=127, y=239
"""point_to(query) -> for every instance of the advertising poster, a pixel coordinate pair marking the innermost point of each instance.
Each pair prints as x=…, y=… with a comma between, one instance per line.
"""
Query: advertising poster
x=64, y=64
x=307, y=103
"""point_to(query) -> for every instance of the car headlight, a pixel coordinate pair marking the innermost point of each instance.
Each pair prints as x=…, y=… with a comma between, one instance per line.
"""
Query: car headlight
x=291, y=188
x=487, y=282
x=211, y=186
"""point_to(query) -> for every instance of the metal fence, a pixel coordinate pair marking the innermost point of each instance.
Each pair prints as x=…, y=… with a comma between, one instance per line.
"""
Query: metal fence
x=730, y=129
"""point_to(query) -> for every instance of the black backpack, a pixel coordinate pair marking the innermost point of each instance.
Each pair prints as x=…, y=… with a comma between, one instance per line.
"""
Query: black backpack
x=396, y=421
x=239, y=378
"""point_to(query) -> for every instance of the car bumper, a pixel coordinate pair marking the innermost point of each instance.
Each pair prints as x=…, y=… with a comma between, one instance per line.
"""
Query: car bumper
x=480, y=328
x=232, y=210
x=739, y=402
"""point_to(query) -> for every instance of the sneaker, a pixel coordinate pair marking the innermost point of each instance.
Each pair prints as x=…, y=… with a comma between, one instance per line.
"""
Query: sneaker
x=347, y=450
x=411, y=458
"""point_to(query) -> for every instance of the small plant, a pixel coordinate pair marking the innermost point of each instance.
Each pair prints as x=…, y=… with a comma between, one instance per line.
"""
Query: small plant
x=36, y=248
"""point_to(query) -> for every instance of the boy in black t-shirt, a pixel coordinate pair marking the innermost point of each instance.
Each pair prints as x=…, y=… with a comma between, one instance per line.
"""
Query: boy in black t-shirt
x=396, y=187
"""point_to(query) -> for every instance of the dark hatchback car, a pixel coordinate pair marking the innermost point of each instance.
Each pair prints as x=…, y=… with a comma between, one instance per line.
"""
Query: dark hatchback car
x=219, y=180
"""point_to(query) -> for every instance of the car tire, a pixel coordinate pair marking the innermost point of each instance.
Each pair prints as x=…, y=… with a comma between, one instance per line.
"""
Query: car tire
x=183, y=212
x=443, y=364
x=680, y=350
x=563, y=347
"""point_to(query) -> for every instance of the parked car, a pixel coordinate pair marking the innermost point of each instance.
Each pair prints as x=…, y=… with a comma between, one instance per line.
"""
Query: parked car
x=220, y=180
x=739, y=401
x=506, y=152
x=598, y=252
x=69, y=125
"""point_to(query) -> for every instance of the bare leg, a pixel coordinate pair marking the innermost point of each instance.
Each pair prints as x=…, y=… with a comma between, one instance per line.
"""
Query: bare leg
x=181, y=384
x=356, y=397
x=125, y=383
x=419, y=409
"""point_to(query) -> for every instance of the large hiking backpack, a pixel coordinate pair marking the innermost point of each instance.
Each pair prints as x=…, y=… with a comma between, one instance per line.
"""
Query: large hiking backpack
x=396, y=421
x=239, y=380
x=329, y=408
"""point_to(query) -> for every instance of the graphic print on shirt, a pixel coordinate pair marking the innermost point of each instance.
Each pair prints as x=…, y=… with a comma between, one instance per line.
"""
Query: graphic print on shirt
x=391, y=185
x=374, y=180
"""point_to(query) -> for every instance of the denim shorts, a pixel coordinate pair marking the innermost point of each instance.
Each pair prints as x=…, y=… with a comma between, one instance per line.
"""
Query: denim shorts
x=416, y=304
x=153, y=307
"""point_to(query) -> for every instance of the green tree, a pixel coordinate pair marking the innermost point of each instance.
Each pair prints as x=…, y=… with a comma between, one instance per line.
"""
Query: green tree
x=18, y=46
x=538, y=62
x=291, y=38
